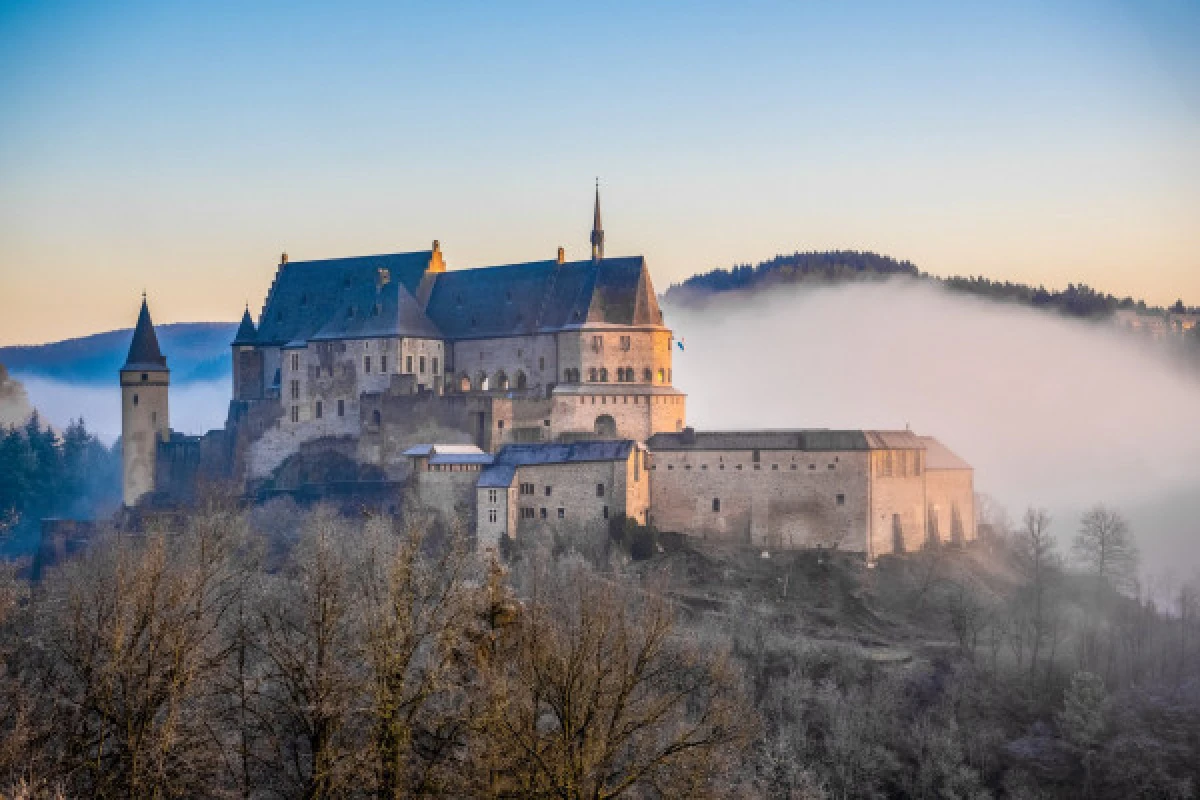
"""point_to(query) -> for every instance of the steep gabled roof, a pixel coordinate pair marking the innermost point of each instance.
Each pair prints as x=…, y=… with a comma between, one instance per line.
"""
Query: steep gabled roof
x=246, y=332
x=308, y=295
x=542, y=296
x=144, y=353
x=393, y=312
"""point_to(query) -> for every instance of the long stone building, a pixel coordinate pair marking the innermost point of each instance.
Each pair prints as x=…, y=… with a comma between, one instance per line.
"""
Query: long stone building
x=522, y=398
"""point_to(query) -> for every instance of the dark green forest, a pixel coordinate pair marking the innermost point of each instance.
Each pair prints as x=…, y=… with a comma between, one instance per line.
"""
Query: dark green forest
x=840, y=266
x=45, y=474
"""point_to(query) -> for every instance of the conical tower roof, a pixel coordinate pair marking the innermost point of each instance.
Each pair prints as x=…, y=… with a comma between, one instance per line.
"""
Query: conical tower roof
x=246, y=332
x=143, y=350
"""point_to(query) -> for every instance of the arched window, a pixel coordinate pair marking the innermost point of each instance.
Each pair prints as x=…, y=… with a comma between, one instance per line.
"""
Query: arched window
x=647, y=376
x=464, y=383
x=376, y=418
x=606, y=426
x=501, y=382
x=592, y=374
x=481, y=382
x=522, y=381
x=604, y=374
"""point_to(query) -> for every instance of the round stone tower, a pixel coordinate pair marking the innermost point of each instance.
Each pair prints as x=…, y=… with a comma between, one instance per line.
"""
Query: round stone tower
x=144, y=420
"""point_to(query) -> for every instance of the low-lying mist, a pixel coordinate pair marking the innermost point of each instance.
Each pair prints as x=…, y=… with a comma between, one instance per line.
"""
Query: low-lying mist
x=194, y=407
x=1052, y=412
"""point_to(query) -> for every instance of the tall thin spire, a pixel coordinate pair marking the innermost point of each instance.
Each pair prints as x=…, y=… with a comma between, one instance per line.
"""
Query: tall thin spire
x=597, y=229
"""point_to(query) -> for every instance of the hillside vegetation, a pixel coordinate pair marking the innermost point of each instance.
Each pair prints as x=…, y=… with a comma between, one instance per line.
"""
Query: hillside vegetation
x=298, y=654
x=840, y=266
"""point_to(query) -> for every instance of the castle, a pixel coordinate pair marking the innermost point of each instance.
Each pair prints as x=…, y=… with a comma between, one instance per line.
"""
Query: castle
x=524, y=398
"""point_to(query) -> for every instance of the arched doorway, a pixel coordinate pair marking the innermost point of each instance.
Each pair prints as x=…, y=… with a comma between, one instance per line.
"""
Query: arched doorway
x=522, y=381
x=501, y=381
x=606, y=426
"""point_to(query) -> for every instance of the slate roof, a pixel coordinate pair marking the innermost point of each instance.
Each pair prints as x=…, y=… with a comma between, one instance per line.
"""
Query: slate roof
x=444, y=449
x=461, y=458
x=144, y=353
x=346, y=298
x=497, y=476
x=394, y=312
x=246, y=332
x=523, y=455
x=307, y=296
x=938, y=456
x=818, y=439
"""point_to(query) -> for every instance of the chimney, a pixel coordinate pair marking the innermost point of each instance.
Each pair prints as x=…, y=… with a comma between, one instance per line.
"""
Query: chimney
x=689, y=435
x=562, y=256
x=283, y=259
x=437, y=246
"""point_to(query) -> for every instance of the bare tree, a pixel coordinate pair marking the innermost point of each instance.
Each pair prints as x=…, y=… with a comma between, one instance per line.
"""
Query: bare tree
x=1105, y=547
x=316, y=687
x=128, y=642
x=600, y=698
x=422, y=605
x=1038, y=560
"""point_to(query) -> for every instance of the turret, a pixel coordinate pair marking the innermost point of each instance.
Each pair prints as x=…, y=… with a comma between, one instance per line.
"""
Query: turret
x=247, y=363
x=144, y=417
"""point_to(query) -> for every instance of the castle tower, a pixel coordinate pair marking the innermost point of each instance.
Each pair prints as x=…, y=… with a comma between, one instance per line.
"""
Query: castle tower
x=247, y=361
x=597, y=230
x=144, y=421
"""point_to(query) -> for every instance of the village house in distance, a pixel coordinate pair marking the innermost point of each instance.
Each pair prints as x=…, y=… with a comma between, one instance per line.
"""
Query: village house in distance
x=524, y=398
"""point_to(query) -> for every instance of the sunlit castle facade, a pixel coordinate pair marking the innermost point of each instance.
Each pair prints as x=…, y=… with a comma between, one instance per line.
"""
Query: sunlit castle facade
x=531, y=352
x=520, y=400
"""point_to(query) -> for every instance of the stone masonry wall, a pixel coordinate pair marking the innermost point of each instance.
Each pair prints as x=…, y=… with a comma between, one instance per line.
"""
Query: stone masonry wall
x=897, y=493
x=787, y=499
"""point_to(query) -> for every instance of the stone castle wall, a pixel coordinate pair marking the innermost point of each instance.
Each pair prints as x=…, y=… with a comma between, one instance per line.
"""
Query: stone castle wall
x=785, y=499
x=897, y=502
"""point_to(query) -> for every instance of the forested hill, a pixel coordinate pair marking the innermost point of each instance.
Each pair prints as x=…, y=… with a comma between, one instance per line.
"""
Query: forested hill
x=196, y=351
x=842, y=266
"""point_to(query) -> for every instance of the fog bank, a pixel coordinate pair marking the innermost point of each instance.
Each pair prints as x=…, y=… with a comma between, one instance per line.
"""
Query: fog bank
x=194, y=407
x=1051, y=411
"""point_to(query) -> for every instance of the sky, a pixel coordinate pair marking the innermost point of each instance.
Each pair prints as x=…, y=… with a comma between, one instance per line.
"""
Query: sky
x=180, y=148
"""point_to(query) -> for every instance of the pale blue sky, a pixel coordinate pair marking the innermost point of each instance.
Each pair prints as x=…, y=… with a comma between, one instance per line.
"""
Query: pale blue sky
x=180, y=147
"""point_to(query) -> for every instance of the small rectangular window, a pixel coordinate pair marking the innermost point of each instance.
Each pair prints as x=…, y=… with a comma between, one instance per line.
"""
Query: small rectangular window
x=295, y=413
x=383, y=363
x=408, y=364
x=367, y=364
x=562, y=513
x=491, y=515
x=421, y=361
x=319, y=409
x=341, y=408
x=841, y=499
x=492, y=497
x=435, y=366
x=606, y=512
x=541, y=362
x=542, y=512
x=547, y=491
x=599, y=490
x=716, y=504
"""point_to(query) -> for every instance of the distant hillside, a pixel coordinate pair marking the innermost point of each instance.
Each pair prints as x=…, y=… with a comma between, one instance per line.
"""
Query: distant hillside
x=841, y=266
x=196, y=351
